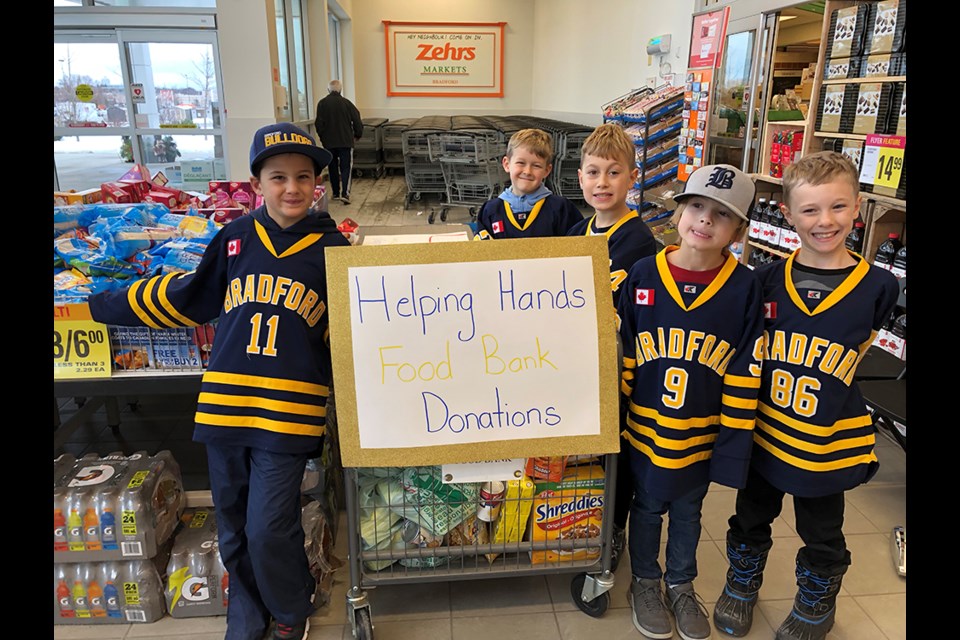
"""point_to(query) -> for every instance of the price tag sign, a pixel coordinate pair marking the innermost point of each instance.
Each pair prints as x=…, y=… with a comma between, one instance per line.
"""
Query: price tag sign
x=882, y=160
x=81, y=348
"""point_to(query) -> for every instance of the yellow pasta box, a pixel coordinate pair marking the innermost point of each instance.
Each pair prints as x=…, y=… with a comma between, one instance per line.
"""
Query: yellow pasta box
x=570, y=509
x=511, y=524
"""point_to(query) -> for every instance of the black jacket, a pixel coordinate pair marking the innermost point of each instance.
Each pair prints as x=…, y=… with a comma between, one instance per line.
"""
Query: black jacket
x=338, y=122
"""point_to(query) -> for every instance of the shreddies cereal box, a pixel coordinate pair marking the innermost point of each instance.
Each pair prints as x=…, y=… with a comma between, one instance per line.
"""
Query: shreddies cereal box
x=568, y=510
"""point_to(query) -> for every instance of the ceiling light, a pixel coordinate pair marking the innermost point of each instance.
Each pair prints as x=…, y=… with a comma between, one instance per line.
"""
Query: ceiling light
x=785, y=18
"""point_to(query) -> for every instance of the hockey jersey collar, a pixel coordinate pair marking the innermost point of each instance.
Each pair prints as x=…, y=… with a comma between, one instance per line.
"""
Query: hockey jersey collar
x=671, y=286
x=285, y=242
x=859, y=273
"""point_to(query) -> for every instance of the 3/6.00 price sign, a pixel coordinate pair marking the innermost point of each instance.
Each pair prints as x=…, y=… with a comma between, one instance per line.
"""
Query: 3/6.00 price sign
x=81, y=348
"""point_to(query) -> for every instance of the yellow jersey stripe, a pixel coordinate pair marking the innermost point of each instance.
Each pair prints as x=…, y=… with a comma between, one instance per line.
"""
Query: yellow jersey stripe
x=674, y=423
x=280, y=406
x=167, y=306
x=152, y=305
x=736, y=423
x=254, y=422
x=747, y=382
x=669, y=463
x=135, y=305
x=815, y=430
x=738, y=403
x=670, y=443
x=819, y=449
x=276, y=384
x=807, y=465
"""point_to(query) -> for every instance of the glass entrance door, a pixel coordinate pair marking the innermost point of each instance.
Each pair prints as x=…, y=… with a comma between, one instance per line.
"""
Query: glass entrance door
x=137, y=96
x=736, y=119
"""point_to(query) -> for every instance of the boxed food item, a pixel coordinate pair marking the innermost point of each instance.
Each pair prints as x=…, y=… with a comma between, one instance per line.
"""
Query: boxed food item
x=886, y=27
x=568, y=510
x=873, y=106
x=116, y=507
x=109, y=592
x=243, y=194
x=845, y=34
x=175, y=349
x=87, y=196
x=118, y=192
x=835, y=68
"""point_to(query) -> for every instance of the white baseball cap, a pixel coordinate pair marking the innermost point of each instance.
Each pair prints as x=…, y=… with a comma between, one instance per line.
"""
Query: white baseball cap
x=723, y=183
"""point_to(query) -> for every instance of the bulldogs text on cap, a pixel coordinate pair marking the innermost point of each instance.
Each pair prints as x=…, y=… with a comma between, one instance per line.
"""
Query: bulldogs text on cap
x=284, y=137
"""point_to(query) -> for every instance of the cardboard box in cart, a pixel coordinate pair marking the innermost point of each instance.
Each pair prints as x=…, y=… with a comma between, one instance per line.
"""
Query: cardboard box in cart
x=116, y=507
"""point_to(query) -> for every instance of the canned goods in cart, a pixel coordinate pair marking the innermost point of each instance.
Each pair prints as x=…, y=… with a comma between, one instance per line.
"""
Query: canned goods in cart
x=491, y=497
x=414, y=534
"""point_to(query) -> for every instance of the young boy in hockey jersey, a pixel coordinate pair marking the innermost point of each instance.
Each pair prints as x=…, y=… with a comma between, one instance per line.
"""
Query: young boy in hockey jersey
x=527, y=209
x=692, y=331
x=262, y=405
x=608, y=169
x=814, y=438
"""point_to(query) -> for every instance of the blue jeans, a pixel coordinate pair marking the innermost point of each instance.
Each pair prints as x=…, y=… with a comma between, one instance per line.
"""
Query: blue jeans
x=256, y=494
x=683, y=535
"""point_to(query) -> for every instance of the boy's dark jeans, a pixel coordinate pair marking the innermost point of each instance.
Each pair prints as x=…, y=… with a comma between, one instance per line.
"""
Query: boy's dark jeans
x=819, y=523
x=683, y=535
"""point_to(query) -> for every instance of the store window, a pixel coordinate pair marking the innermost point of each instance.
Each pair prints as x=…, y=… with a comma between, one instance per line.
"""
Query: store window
x=292, y=56
x=336, y=64
x=124, y=96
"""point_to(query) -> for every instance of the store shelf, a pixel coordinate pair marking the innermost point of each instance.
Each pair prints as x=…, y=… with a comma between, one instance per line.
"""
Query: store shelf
x=831, y=134
x=768, y=249
x=792, y=124
x=765, y=178
x=863, y=80
x=893, y=202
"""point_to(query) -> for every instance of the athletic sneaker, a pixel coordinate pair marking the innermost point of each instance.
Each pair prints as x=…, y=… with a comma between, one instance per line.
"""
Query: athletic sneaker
x=345, y=199
x=649, y=612
x=291, y=632
x=688, y=609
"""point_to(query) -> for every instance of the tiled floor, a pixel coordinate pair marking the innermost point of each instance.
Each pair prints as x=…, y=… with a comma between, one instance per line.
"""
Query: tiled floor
x=872, y=604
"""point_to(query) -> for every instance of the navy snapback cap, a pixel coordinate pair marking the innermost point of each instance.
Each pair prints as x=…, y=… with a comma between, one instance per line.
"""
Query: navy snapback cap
x=284, y=137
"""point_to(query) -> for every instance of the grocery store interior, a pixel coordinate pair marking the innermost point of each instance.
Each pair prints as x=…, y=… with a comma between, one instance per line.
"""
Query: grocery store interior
x=214, y=72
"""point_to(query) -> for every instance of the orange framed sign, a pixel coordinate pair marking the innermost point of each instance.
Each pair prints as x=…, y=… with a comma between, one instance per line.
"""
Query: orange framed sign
x=444, y=59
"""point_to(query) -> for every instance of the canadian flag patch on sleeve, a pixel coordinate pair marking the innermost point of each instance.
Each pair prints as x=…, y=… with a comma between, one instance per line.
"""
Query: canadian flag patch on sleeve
x=233, y=247
x=498, y=226
x=643, y=297
x=769, y=310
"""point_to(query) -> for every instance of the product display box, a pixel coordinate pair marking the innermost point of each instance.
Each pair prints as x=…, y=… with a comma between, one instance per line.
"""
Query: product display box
x=87, y=196
x=115, y=507
x=196, y=581
x=139, y=348
x=112, y=592
x=568, y=509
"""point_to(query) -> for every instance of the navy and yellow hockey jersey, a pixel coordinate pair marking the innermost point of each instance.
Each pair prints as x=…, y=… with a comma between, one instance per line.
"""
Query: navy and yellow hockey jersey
x=551, y=216
x=267, y=380
x=814, y=436
x=628, y=240
x=691, y=371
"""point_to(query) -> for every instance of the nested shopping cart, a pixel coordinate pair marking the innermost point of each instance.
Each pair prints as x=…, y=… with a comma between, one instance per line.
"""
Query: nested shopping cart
x=368, y=151
x=423, y=174
x=408, y=524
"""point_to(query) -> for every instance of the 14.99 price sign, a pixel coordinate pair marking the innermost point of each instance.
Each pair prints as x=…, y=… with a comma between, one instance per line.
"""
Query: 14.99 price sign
x=882, y=160
x=81, y=348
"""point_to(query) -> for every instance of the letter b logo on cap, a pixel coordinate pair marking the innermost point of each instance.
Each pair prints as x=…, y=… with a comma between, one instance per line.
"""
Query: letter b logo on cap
x=721, y=178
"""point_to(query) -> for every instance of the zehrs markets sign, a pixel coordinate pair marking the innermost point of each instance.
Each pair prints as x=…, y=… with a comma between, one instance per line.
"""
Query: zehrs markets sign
x=444, y=59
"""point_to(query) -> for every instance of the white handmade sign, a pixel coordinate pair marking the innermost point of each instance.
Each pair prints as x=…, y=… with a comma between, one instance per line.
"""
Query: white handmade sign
x=458, y=352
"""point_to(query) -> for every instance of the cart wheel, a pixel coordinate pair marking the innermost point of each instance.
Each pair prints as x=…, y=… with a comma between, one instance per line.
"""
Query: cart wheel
x=443, y=214
x=594, y=608
x=473, y=213
x=357, y=173
x=416, y=196
x=364, y=625
x=433, y=214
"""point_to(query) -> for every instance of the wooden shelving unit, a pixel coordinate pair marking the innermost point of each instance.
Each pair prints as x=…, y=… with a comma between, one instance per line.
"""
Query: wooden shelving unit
x=860, y=80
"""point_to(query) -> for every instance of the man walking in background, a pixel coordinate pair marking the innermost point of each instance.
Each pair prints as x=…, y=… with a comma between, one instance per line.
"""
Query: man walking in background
x=338, y=126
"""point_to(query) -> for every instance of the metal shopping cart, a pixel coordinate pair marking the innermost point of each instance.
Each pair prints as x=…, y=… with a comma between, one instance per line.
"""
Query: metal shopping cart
x=392, y=142
x=407, y=525
x=423, y=175
x=368, y=151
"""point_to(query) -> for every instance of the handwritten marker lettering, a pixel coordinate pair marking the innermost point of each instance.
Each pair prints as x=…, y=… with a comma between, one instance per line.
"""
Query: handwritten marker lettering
x=417, y=305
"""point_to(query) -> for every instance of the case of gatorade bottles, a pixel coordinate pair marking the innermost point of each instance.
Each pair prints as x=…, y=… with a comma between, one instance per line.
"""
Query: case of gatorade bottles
x=197, y=584
x=114, y=507
x=111, y=592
